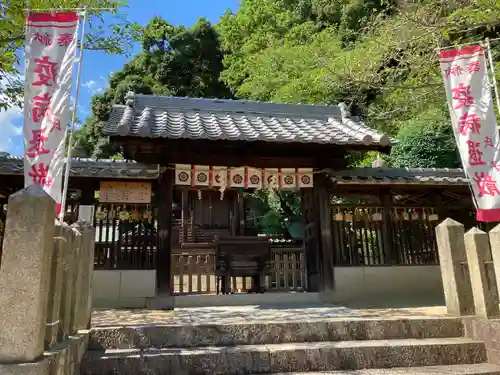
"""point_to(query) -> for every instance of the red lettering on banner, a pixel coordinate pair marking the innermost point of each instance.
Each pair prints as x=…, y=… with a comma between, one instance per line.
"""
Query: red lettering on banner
x=488, y=142
x=65, y=39
x=462, y=94
x=454, y=70
x=56, y=125
x=40, y=175
x=475, y=156
x=46, y=71
x=496, y=165
x=486, y=184
x=474, y=66
x=41, y=105
x=469, y=123
x=45, y=39
x=37, y=144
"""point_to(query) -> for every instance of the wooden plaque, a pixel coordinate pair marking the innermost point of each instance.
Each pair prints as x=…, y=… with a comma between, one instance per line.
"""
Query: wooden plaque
x=125, y=192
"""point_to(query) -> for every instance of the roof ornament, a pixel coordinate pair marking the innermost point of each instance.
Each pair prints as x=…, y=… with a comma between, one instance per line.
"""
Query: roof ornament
x=344, y=110
x=130, y=98
x=379, y=162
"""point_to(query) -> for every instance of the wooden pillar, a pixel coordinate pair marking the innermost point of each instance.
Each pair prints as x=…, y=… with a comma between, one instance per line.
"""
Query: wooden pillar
x=87, y=198
x=234, y=214
x=324, y=216
x=388, y=229
x=241, y=214
x=164, y=279
x=437, y=201
x=311, y=240
x=184, y=214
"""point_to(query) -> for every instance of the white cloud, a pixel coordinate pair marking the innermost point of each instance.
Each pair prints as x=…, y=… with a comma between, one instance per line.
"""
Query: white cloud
x=94, y=87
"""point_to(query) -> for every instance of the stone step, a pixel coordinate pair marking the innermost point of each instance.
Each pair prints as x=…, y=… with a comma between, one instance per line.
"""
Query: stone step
x=276, y=358
x=182, y=336
x=476, y=369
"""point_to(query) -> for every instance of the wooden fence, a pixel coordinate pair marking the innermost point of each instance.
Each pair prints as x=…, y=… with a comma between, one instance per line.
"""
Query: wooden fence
x=125, y=236
x=368, y=236
x=194, y=270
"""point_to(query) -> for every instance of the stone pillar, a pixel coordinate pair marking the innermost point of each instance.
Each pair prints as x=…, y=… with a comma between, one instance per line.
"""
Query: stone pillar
x=77, y=278
x=86, y=214
x=24, y=275
x=454, y=272
x=69, y=266
x=495, y=253
x=84, y=305
x=484, y=291
x=53, y=329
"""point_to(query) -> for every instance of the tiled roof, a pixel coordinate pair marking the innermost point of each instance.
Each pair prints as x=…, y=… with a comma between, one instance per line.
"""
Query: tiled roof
x=369, y=175
x=215, y=119
x=83, y=167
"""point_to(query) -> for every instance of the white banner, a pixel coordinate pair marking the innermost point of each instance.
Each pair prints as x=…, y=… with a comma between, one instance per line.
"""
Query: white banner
x=468, y=90
x=50, y=46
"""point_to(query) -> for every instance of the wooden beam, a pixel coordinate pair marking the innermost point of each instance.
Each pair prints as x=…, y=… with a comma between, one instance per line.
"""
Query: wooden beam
x=311, y=241
x=241, y=214
x=184, y=213
x=387, y=228
x=257, y=154
x=164, y=277
x=325, y=227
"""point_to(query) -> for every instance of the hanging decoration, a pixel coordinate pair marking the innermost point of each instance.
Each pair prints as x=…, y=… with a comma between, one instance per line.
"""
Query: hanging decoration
x=243, y=177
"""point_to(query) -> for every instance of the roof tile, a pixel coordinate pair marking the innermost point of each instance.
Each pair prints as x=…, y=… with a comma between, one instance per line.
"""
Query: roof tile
x=215, y=119
x=368, y=175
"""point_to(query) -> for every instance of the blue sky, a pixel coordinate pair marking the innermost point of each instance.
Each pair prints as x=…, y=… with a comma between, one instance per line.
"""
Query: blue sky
x=97, y=66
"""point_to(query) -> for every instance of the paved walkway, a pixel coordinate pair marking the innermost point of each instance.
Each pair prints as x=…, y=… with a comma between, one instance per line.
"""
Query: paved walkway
x=246, y=314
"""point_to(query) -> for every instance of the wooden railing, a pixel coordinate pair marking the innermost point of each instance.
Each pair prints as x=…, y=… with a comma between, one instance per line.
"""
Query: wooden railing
x=368, y=236
x=194, y=270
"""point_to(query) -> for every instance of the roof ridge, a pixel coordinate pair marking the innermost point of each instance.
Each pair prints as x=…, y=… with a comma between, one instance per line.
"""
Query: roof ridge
x=271, y=109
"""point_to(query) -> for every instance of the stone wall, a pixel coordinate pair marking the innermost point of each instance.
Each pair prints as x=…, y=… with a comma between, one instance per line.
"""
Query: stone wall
x=45, y=282
x=469, y=269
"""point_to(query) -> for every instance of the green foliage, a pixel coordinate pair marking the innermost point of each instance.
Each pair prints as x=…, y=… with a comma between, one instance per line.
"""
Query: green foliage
x=116, y=37
x=273, y=209
x=377, y=56
x=174, y=61
x=425, y=144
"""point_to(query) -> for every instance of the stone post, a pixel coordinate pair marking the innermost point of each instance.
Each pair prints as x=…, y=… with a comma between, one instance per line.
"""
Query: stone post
x=24, y=275
x=484, y=290
x=68, y=276
x=87, y=269
x=53, y=329
x=495, y=253
x=454, y=272
x=77, y=277
x=86, y=214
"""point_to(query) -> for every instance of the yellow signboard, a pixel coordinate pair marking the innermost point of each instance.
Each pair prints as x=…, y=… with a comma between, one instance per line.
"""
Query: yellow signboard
x=125, y=192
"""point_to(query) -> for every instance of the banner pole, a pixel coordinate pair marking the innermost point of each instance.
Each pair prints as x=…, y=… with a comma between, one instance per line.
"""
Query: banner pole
x=73, y=119
x=492, y=69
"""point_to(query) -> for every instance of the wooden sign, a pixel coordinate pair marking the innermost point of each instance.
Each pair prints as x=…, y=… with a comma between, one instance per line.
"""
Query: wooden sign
x=125, y=192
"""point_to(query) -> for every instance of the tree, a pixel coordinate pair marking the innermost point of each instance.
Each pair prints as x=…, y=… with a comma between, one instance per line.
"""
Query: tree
x=377, y=56
x=424, y=144
x=116, y=37
x=174, y=61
